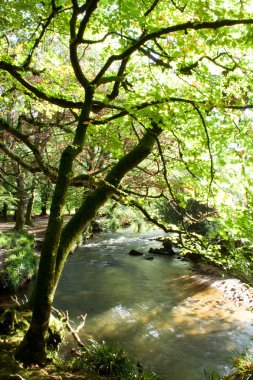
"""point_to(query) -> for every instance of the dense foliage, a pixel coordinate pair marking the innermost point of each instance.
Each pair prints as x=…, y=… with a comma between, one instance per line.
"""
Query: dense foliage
x=133, y=101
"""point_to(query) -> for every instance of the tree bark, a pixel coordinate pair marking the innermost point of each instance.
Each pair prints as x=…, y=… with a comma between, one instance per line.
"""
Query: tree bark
x=28, y=351
x=59, y=241
x=95, y=200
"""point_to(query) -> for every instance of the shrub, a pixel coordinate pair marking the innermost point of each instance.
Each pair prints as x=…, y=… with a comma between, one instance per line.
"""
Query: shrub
x=110, y=360
x=104, y=359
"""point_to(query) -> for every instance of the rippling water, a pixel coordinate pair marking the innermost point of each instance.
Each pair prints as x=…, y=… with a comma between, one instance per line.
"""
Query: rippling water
x=158, y=310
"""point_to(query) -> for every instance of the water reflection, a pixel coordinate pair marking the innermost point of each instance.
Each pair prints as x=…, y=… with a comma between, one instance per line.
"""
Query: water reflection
x=174, y=322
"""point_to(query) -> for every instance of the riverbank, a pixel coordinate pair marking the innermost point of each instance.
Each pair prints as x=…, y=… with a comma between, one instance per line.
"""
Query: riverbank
x=233, y=289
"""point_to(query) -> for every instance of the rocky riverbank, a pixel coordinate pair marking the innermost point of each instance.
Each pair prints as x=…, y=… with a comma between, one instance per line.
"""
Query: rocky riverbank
x=233, y=289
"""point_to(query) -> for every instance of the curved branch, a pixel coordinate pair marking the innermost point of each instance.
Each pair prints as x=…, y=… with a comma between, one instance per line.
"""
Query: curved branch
x=181, y=155
x=187, y=69
x=120, y=74
x=18, y=159
x=52, y=15
x=5, y=181
x=171, y=29
x=14, y=71
x=167, y=181
x=76, y=39
x=42, y=167
x=144, y=105
x=102, y=193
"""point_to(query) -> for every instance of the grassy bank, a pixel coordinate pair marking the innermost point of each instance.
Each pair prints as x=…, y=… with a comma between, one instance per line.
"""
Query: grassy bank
x=94, y=361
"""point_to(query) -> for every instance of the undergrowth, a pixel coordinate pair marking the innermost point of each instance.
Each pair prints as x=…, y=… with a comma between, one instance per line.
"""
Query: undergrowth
x=108, y=360
x=21, y=261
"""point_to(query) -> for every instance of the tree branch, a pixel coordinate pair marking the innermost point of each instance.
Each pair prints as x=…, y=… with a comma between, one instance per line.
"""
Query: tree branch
x=187, y=69
x=179, y=142
x=77, y=38
x=171, y=29
x=208, y=146
x=42, y=167
x=54, y=12
x=151, y=8
x=14, y=71
x=18, y=159
x=120, y=74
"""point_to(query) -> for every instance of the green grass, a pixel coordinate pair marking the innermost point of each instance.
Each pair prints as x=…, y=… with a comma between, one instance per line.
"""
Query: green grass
x=241, y=368
x=21, y=260
x=108, y=360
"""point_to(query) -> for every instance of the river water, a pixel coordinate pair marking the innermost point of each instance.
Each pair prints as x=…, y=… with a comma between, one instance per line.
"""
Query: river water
x=158, y=310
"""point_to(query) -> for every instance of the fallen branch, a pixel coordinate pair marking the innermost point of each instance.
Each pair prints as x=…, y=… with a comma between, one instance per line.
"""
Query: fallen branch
x=73, y=332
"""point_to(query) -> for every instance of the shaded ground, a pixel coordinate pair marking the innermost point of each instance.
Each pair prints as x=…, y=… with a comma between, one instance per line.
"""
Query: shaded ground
x=38, y=228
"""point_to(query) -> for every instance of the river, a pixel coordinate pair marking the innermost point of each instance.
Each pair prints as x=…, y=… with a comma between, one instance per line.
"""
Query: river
x=157, y=310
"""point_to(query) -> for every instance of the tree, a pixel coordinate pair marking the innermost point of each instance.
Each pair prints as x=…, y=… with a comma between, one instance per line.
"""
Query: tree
x=121, y=69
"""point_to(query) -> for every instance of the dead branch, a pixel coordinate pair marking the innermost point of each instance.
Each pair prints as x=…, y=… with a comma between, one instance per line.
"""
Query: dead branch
x=73, y=332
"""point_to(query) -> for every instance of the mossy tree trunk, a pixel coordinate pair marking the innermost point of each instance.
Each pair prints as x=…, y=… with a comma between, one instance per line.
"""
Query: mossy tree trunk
x=59, y=241
x=33, y=347
x=95, y=200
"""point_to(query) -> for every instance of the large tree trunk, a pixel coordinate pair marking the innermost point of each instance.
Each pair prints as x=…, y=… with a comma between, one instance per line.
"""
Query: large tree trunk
x=33, y=347
x=58, y=242
x=95, y=200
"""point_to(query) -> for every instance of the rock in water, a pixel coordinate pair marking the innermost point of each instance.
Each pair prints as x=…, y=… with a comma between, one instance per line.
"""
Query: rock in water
x=133, y=252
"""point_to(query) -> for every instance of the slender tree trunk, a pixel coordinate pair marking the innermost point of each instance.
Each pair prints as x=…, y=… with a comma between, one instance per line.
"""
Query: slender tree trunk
x=29, y=208
x=20, y=212
x=4, y=212
x=45, y=194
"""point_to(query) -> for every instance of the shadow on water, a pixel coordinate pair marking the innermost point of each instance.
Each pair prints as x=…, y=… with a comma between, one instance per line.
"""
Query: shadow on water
x=175, y=323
